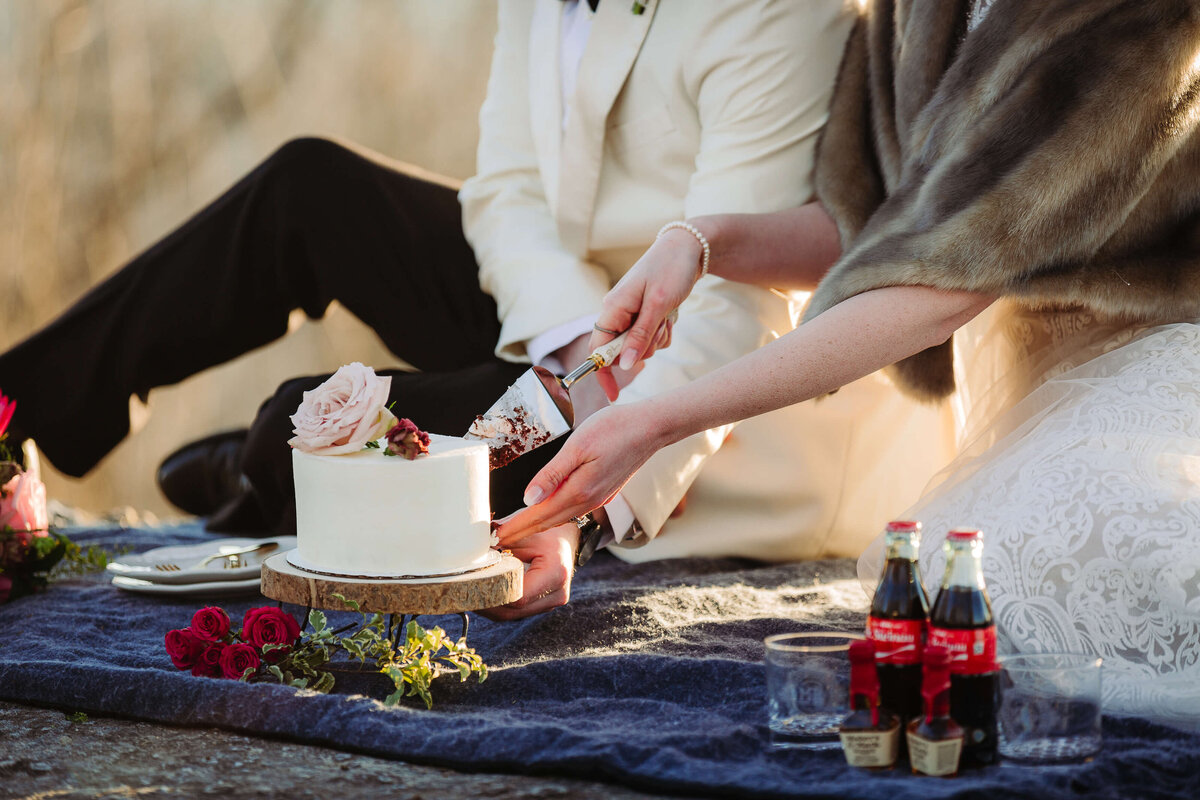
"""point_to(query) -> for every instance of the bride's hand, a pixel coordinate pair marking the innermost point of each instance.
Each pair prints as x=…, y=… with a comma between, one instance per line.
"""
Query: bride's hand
x=591, y=467
x=643, y=299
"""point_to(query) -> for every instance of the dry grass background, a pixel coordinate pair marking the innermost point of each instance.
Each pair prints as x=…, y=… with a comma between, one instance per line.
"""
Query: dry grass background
x=119, y=118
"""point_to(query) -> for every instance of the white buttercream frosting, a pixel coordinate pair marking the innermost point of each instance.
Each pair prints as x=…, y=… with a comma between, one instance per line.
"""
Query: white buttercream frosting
x=368, y=514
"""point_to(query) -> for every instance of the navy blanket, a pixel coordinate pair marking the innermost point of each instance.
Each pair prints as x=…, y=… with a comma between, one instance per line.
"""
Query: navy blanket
x=652, y=677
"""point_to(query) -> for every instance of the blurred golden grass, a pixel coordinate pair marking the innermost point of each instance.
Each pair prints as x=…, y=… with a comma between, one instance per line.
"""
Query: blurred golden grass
x=119, y=118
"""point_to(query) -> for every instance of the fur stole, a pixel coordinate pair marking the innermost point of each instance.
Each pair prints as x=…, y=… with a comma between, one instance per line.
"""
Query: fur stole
x=1050, y=155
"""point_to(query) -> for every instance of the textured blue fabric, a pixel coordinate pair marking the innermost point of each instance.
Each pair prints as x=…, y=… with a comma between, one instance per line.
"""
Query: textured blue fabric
x=651, y=677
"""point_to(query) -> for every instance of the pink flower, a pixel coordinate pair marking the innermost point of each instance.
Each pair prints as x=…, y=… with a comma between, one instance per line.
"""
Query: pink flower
x=237, y=658
x=184, y=647
x=208, y=664
x=7, y=407
x=210, y=624
x=405, y=439
x=343, y=413
x=269, y=625
x=23, y=504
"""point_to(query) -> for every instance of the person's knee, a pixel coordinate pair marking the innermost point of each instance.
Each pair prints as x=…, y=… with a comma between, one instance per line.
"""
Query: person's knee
x=310, y=151
x=311, y=168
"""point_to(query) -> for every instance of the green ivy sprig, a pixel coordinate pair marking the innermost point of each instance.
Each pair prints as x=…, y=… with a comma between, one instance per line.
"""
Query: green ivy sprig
x=422, y=656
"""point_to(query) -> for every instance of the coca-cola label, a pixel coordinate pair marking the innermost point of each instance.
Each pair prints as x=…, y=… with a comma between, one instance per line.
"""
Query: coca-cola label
x=972, y=650
x=897, y=641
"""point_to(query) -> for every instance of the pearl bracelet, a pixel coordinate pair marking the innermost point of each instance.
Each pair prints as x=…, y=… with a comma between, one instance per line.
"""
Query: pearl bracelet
x=694, y=231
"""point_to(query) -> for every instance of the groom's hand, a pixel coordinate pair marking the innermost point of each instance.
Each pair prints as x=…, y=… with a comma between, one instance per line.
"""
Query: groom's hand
x=550, y=556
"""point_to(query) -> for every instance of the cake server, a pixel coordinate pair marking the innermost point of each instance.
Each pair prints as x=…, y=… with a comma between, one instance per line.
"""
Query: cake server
x=537, y=408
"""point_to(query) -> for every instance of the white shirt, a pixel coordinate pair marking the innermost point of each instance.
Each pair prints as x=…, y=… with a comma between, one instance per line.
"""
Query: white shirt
x=573, y=35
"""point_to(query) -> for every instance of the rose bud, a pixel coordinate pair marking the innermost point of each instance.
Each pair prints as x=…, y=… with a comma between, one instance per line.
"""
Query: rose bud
x=269, y=625
x=208, y=665
x=405, y=439
x=237, y=658
x=211, y=624
x=184, y=647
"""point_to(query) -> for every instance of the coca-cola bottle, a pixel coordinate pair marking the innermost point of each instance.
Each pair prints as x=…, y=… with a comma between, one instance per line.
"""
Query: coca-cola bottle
x=898, y=619
x=870, y=735
x=961, y=621
x=934, y=739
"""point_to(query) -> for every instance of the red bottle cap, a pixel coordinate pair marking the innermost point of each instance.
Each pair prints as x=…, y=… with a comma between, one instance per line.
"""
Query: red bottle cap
x=903, y=526
x=964, y=534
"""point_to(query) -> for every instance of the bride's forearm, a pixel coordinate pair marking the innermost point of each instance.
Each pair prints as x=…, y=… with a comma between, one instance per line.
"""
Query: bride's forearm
x=850, y=340
x=788, y=249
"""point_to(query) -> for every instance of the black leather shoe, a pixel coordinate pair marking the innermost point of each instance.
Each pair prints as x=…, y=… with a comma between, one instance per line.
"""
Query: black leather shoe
x=206, y=475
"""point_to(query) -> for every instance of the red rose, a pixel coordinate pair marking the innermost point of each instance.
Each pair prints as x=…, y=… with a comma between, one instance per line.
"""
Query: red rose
x=405, y=439
x=211, y=624
x=184, y=647
x=208, y=665
x=237, y=658
x=269, y=625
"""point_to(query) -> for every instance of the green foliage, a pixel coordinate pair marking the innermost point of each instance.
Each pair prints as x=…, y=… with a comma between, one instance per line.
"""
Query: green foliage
x=77, y=717
x=372, y=445
x=33, y=561
x=421, y=657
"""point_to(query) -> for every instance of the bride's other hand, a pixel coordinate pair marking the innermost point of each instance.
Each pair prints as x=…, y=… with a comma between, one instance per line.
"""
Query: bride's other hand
x=643, y=299
x=591, y=467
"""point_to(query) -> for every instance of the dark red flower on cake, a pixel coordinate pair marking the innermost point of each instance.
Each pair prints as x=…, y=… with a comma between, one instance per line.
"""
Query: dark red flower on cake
x=184, y=647
x=208, y=664
x=269, y=625
x=237, y=658
x=211, y=624
x=405, y=439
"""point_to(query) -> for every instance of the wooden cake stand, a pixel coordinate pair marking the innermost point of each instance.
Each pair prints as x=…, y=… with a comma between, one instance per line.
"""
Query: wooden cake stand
x=485, y=588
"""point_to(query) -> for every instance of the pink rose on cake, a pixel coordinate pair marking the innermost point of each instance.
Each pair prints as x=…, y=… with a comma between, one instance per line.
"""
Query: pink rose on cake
x=343, y=413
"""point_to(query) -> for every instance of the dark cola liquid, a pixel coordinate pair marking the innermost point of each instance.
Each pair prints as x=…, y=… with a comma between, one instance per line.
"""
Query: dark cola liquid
x=900, y=595
x=973, y=699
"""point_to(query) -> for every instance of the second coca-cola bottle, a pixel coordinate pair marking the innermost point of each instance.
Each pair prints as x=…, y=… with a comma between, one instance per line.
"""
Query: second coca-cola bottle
x=897, y=622
x=961, y=621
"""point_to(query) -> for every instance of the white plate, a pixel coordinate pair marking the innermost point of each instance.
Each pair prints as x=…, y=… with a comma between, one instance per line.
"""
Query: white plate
x=207, y=589
x=188, y=557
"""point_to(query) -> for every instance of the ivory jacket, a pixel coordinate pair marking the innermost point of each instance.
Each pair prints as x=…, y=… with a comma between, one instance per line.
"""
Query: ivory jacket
x=691, y=107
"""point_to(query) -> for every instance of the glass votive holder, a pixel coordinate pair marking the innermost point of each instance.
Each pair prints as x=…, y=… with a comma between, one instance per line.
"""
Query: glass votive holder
x=808, y=688
x=1049, y=708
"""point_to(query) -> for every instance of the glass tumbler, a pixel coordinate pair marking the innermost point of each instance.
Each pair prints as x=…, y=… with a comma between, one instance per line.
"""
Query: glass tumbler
x=808, y=688
x=1049, y=709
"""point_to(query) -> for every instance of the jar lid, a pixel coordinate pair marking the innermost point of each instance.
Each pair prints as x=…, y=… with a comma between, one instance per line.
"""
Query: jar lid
x=903, y=526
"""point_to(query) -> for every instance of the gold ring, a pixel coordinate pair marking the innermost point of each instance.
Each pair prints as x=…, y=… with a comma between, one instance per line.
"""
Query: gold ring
x=605, y=330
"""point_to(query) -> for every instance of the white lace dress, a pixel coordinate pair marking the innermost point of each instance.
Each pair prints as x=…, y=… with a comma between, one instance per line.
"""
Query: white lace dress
x=1080, y=461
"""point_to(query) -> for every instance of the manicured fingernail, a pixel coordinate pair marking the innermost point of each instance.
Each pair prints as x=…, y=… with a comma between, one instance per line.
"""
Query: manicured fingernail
x=628, y=359
x=533, y=494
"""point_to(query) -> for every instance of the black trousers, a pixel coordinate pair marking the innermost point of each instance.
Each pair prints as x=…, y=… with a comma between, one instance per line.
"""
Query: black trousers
x=314, y=223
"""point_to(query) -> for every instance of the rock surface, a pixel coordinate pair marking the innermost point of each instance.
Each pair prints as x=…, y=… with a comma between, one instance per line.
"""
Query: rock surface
x=46, y=753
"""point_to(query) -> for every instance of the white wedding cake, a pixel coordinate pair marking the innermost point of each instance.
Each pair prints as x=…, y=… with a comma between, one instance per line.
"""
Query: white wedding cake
x=374, y=515
x=375, y=497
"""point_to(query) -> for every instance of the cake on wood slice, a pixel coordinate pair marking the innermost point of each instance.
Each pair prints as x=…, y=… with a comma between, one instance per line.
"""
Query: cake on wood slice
x=373, y=515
